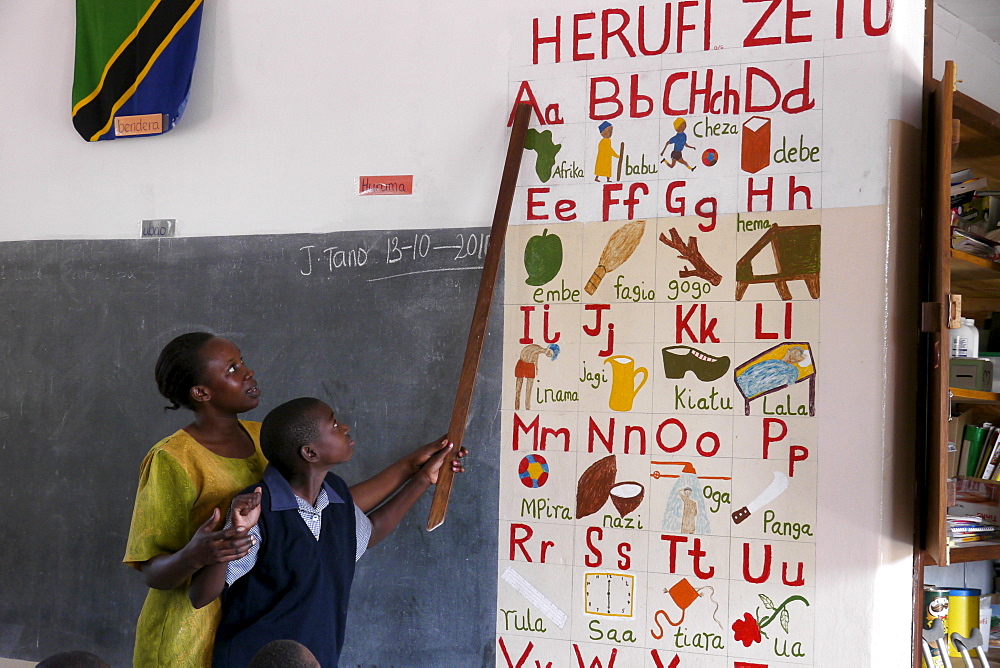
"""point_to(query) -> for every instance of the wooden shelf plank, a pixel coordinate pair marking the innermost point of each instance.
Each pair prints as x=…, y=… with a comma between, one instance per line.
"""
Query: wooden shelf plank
x=983, y=480
x=963, y=396
x=963, y=263
x=975, y=551
x=977, y=280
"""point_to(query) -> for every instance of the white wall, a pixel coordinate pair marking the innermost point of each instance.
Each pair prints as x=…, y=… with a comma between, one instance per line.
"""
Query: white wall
x=977, y=57
x=293, y=100
x=290, y=103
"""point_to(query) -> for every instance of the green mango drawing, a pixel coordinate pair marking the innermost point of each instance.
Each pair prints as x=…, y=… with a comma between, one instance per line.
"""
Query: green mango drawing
x=541, y=143
x=543, y=255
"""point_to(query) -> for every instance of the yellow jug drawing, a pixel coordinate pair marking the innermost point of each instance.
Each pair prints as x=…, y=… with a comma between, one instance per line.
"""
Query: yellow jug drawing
x=623, y=387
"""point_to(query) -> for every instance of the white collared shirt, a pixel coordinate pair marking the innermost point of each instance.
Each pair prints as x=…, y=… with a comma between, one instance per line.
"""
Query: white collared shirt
x=313, y=517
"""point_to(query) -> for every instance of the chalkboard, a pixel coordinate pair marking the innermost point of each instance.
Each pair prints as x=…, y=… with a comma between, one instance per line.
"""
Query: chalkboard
x=375, y=323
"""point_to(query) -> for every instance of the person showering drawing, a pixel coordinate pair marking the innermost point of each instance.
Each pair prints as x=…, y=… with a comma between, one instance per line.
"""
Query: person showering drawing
x=527, y=368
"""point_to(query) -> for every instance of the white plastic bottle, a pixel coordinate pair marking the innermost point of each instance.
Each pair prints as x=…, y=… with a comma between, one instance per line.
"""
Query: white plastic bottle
x=973, y=335
x=958, y=341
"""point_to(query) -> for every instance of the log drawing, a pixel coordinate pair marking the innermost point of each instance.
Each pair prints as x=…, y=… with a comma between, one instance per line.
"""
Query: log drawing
x=690, y=253
x=619, y=248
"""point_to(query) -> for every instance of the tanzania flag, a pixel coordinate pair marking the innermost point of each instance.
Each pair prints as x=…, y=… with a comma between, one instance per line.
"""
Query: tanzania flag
x=134, y=58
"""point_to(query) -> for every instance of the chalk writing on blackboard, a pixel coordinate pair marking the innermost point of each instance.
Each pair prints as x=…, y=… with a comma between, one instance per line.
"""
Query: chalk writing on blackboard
x=417, y=254
x=333, y=258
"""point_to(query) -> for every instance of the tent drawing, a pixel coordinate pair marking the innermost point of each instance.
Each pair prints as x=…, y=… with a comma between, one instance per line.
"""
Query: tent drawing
x=796, y=251
x=775, y=369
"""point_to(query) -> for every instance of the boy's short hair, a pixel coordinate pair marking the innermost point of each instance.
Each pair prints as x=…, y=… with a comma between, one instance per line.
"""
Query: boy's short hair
x=284, y=654
x=285, y=430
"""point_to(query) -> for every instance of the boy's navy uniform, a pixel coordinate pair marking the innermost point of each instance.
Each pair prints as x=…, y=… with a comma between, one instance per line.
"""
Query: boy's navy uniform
x=299, y=587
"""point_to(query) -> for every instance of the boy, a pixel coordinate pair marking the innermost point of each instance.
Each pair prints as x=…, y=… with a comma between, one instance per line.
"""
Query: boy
x=307, y=529
x=679, y=141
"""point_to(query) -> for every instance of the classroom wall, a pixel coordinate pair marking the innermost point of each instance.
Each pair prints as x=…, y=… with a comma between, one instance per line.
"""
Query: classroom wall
x=977, y=57
x=293, y=101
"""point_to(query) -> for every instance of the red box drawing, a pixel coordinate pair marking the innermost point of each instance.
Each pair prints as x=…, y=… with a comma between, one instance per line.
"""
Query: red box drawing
x=756, y=144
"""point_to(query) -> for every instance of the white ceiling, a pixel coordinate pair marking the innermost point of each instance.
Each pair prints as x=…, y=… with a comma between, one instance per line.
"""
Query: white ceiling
x=983, y=15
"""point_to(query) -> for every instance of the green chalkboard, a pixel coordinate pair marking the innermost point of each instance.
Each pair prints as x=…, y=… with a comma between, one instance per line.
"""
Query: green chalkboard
x=375, y=323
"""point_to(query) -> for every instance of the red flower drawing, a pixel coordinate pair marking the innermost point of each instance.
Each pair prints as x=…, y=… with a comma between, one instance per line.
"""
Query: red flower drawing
x=746, y=630
x=750, y=629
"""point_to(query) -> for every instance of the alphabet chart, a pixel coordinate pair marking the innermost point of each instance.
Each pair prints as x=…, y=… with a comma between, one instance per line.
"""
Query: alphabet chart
x=662, y=339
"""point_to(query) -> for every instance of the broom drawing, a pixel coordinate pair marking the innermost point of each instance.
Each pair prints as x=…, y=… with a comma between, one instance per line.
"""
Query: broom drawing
x=619, y=248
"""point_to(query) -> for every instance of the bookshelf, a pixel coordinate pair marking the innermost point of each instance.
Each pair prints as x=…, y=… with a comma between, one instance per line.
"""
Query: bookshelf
x=964, y=134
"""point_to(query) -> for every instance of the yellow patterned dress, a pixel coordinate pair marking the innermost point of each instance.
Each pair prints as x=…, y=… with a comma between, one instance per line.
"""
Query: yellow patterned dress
x=180, y=483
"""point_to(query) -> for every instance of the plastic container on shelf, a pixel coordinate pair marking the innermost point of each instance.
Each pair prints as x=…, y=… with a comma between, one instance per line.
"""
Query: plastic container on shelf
x=958, y=341
x=973, y=335
x=995, y=359
x=963, y=615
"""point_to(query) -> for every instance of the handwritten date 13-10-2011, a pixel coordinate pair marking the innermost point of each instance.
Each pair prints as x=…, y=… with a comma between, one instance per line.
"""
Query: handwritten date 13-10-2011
x=317, y=260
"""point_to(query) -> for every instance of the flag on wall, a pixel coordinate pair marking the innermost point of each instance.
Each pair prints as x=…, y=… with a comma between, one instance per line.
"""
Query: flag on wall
x=134, y=61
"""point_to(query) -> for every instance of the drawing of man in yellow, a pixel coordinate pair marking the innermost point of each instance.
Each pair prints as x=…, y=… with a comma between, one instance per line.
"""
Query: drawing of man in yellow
x=605, y=152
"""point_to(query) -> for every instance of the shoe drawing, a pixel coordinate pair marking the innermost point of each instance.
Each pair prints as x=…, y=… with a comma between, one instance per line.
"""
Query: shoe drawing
x=678, y=360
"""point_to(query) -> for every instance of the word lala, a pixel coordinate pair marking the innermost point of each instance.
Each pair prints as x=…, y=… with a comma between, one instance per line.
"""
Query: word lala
x=785, y=408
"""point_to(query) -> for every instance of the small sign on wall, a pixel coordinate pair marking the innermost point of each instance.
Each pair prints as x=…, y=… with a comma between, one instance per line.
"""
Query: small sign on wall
x=147, y=124
x=385, y=185
x=157, y=228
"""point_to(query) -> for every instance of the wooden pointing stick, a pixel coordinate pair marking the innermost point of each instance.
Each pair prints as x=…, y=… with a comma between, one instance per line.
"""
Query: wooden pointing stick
x=480, y=317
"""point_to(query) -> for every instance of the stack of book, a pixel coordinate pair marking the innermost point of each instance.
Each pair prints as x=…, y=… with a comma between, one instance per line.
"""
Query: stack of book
x=974, y=244
x=968, y=528
x=979, y=452
x=974, y=211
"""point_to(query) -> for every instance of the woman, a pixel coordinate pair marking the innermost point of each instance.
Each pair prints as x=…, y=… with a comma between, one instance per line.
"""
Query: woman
x=186, y=484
